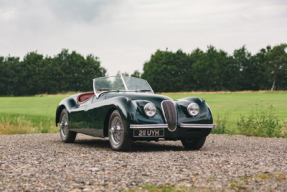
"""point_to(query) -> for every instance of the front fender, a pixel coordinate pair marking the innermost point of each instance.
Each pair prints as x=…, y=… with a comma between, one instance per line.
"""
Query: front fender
x=204, y=116
x=132, y=112
x=67, y=103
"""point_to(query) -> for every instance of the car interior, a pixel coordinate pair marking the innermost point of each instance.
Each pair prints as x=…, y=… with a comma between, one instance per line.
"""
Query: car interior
x=84, y=97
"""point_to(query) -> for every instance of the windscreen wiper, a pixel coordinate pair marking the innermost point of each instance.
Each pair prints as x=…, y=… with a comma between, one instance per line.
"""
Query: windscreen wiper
x=144, y=90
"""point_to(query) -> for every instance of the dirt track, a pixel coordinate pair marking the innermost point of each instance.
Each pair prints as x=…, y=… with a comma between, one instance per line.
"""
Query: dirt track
x=41, y=162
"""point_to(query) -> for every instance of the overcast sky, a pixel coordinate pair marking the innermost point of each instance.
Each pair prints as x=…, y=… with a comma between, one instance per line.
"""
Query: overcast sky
x=124, y=33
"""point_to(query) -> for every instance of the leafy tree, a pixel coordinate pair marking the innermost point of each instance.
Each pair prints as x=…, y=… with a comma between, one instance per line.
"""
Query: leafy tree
x=31, y=74
x=209, y=69
x=192, y=82
x=260, y=78
x=226, y=72
x=2, y=74
x=75, y=72
x=12, y=79
x=276, y=61
x=136, y=74
x=249, y=70
x=53, y=77
x=36, y=74
x=125, y=74
x=166, y=70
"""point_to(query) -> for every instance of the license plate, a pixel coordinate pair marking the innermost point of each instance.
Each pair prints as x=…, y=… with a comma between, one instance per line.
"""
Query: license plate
x=148, y=132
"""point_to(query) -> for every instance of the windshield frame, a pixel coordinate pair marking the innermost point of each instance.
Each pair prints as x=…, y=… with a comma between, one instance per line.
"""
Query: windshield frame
x=124, y=83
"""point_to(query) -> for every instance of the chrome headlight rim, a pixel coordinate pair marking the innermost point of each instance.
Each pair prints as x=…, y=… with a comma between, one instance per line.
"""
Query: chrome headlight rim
x=150, y=109
x=193, y=109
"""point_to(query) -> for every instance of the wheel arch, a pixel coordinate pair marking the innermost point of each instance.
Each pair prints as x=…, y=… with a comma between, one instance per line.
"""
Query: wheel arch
x=107, y=119
x=58, y=113
x=125, y=109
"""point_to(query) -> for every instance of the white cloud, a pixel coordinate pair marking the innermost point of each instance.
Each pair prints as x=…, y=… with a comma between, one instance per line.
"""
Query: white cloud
x=84, y=10
x=123, y=34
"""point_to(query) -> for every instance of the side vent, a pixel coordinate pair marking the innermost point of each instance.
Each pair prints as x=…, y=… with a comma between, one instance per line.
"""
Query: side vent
x=170, y=114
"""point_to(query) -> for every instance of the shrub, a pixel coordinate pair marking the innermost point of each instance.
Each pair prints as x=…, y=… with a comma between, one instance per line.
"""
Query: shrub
x=221, y=123
x=263, y=123
x=22, y=125
x=284, y=129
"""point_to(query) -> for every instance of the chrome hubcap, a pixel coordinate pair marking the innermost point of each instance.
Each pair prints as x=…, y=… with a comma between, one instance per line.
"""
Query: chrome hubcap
x=116, y=131
x=64, y=126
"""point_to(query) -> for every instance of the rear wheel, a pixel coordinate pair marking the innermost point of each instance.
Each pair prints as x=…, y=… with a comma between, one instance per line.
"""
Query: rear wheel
x=119, y=139
x=66, y=135
x=193, y=143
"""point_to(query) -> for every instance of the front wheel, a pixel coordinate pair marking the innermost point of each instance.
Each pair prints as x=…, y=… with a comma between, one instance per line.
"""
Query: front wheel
x=66, y=135
x=193, y=143
x=119, y=139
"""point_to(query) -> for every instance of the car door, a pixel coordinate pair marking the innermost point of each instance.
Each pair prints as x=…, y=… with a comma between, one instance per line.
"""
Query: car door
x=95, y=116
x=78, y=117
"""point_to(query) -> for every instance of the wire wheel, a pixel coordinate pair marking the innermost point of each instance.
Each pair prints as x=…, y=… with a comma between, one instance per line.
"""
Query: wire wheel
x=64, y=125
x=119, y=139
x=66, y=135
x=116, y=130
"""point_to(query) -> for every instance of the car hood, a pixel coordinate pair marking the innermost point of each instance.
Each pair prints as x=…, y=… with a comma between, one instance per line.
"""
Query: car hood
x=155, y=98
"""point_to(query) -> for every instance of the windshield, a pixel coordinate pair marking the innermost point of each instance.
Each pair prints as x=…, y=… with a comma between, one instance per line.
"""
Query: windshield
x=121, y=83
x=135, y=84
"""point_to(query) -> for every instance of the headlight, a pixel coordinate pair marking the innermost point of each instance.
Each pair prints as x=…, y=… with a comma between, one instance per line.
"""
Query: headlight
x=150, y=109
x=193, y=109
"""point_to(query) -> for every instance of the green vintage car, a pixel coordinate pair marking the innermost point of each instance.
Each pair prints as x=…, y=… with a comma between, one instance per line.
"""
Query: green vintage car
x=126, y=109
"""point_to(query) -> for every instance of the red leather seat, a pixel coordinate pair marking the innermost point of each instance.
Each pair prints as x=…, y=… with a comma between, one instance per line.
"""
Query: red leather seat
x=84, y=96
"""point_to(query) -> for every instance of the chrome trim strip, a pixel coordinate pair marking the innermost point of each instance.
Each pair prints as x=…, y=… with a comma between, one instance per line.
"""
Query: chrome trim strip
x=202, y=126
x=94, y=88
x=124, y=83
x=164, y=114
x=163, y=111
x=148, y=126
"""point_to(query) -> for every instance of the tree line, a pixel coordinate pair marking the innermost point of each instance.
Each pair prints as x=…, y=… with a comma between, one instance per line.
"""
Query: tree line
x=37, y=74
x=216, y=70
x=166, y=71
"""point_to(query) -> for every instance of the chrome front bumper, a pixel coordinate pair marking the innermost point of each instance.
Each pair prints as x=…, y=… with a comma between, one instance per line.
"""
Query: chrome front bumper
x=148, y=126
x=163, y=126
x=196, y=126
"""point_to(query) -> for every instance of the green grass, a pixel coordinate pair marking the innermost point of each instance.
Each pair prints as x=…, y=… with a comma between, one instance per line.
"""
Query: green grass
x=23, y=112
x=30, y=106
x=41, y=109
x=241, y=103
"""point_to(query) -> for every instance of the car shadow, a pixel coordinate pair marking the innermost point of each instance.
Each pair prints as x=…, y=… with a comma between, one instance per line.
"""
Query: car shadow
x=146, y=146
x=138, y=146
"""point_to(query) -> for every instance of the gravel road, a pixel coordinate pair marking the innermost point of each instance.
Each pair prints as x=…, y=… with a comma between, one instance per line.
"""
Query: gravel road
x=41, y=162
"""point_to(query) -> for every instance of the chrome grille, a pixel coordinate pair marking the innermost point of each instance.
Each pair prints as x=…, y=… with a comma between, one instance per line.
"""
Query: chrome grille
x=170, y=114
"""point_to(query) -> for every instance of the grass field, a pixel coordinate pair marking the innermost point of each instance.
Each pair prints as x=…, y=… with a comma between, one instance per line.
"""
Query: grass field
x=241, y=103
x=40, y=110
